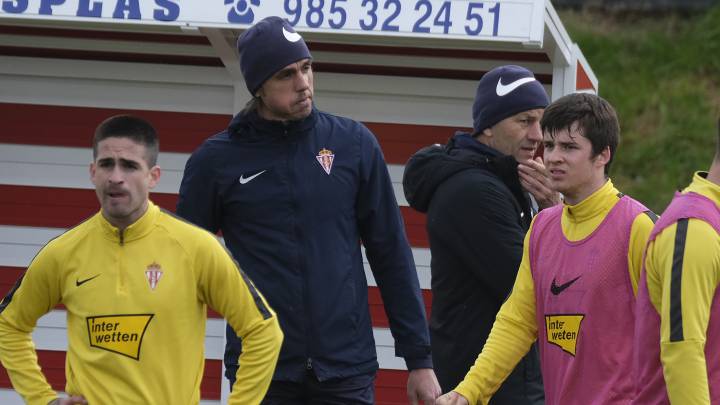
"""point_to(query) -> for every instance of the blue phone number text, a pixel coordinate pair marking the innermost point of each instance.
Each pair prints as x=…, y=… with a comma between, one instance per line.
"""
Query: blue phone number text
x=334, y=14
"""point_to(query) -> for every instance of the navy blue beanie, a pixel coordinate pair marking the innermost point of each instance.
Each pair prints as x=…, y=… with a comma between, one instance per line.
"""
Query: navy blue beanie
x=504, y=92
x=267, y=47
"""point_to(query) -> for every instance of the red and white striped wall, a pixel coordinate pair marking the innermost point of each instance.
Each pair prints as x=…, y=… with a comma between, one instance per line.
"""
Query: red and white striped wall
x=57, y=82
x=45, y=189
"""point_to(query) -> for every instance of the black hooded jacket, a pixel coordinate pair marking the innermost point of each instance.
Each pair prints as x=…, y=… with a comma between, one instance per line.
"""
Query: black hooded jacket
x=477, y=217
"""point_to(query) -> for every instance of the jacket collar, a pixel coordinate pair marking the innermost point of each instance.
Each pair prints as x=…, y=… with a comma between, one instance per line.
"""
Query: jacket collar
x=463, y=140
x=596, y=205
x=137, y=230
x=701, y=185
x=503, y=166
x=263, y=130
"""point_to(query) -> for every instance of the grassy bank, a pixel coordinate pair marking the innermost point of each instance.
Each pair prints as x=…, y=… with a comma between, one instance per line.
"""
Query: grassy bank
x=662, y=74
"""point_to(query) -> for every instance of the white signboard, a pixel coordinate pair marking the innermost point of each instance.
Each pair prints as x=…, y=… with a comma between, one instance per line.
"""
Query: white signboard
x=500, y=20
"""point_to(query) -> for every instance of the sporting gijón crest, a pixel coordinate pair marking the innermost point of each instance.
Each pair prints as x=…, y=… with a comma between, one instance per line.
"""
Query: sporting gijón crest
x=325, y=157
x=153, y=274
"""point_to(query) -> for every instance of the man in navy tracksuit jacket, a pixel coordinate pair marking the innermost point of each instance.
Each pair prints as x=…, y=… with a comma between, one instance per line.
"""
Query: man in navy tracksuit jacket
x=294, y=191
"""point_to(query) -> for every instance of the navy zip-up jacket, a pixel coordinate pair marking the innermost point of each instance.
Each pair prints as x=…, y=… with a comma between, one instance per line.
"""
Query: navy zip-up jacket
x=294, y=201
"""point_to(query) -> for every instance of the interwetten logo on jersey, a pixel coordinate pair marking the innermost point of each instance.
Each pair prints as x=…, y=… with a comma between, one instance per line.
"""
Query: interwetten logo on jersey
x=121, y=334
x=563, y=331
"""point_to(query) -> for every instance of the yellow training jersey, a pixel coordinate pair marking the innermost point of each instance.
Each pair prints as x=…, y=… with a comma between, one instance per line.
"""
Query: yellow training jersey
x=136, y=312
x=515, y=327
x=692, y=264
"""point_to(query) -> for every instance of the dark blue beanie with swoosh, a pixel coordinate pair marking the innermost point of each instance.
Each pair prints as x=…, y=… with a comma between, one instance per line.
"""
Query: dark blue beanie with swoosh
x=504, y=92
x=266, y=48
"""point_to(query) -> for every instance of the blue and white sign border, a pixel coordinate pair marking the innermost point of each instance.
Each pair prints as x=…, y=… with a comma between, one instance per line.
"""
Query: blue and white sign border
x=517, y=21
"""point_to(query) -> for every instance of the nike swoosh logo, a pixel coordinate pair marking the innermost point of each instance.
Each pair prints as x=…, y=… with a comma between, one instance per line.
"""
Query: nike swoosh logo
x=504, y=89
x=79, y=282
x=557, y=289
x=291, y=36
x=245, y=180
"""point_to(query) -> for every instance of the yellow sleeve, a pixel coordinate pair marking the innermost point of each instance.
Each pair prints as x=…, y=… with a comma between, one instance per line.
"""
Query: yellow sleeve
x=512, y=334
x=639, y=233
x=683, y=271
x=229, y=291
x=35, y=294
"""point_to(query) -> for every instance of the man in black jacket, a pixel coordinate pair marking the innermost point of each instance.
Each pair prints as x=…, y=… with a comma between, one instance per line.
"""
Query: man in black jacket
x=480, y=192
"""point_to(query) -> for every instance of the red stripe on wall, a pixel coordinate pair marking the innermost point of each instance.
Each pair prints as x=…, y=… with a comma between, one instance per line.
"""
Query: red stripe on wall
x=99, y=34
x=390, y=385
x=432, y=52
x=56, y=207
x=405, y=71
x=9, y=275
x=53, y=366
x=110, y=56
x=517, y=56
x=377, y=308
x=415, y=227
x=67, y=207
x=179, y=131
x=319, y=66
x=74, y=126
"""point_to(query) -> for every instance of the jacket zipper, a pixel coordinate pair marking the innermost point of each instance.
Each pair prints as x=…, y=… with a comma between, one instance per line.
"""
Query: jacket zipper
x=297, y=231
x=121, y=274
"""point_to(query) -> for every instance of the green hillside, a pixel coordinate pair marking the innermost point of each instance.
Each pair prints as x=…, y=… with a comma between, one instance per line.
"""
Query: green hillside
x=662, y=74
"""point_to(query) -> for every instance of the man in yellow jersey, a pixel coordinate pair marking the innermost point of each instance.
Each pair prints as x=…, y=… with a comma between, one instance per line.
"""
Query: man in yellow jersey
x=136, y=283
x=575, y=290
x=678, y=315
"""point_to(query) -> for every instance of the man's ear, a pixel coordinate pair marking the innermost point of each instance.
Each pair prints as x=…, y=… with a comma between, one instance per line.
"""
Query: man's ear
x=154, y=174
x=603, y=157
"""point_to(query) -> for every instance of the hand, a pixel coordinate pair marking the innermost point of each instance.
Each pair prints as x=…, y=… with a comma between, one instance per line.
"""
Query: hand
x=535, y=179
x=452, y=398
x=71, y=400
x=423, y=387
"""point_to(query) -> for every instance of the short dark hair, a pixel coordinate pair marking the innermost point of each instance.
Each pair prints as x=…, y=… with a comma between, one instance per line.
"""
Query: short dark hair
x=251, y=105
x=593, y=117
x=134, y=128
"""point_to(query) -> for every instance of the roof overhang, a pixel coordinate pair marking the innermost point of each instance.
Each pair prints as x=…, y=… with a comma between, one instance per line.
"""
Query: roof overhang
x=458, y=38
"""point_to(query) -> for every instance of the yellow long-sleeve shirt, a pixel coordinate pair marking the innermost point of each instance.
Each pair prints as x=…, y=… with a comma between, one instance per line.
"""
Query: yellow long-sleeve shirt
x=684, y=364
x=515, y=327
x=136, y=313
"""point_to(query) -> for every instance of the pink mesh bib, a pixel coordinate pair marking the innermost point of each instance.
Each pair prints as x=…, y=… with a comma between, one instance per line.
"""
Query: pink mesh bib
x=647, y=364
x=585, y=308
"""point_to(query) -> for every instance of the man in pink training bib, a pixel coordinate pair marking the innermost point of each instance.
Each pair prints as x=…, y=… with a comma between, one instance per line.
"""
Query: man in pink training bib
x=575, y=290
x=678, y=313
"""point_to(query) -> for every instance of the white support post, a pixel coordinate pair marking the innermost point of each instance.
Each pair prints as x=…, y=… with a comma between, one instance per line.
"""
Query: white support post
x=563, y=76
x=227, y=53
